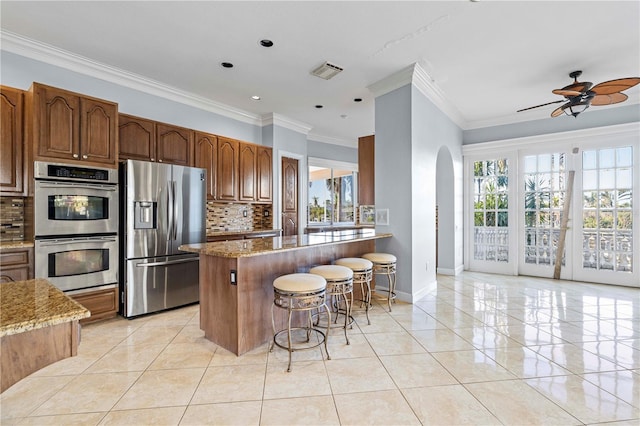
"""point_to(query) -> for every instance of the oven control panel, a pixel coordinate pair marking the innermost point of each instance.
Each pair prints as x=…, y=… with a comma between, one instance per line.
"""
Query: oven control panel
x=61, y=171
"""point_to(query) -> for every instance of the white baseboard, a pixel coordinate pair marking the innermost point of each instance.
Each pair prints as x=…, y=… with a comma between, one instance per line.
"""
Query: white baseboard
x=447, y=271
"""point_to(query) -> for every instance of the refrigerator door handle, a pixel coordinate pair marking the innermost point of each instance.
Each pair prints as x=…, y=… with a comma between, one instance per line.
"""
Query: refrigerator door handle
x=170, y=211
x=171, y=262
x=175, y=210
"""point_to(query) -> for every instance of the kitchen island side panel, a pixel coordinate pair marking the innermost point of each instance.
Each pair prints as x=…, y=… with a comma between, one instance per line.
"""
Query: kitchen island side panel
x=219, y=302
x=251, y=299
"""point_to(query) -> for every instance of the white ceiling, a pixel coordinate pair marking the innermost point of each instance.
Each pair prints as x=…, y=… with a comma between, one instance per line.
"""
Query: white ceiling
x=486, y=58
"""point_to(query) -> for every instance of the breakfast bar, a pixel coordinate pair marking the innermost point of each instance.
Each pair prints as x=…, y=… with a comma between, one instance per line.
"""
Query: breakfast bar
x=38, y=326
x=236, y=279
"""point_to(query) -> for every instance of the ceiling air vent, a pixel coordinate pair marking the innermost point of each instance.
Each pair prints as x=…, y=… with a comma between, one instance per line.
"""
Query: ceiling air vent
x=326, y=71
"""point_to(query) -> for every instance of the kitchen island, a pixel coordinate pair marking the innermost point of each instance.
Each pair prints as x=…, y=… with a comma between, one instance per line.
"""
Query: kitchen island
x=236, y=280
x=38, y=326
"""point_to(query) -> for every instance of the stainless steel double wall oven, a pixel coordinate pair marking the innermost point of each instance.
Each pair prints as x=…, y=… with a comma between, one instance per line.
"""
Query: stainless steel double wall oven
x=76, y=226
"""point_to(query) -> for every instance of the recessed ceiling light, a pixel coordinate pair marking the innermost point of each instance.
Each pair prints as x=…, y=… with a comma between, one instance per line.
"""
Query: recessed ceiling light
x=255, y=97
x=226, y=64
x=319, y=106
x=266, y=43
x=357, y=100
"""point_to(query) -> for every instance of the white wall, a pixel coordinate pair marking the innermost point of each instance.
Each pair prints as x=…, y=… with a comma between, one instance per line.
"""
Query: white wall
x=19, y=72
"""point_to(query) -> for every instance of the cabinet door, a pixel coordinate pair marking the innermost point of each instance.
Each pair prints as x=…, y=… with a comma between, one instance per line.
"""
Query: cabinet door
x=264, y=175
x=137, y=138
x=227, y=170
x=98, y=131
x=174, y=145
x=11, y=142
x=366, y=170
x=247, y=172
x=57, y=124
x=206, y=157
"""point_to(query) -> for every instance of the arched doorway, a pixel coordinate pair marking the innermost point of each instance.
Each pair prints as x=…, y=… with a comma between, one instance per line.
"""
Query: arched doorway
x=445, y=213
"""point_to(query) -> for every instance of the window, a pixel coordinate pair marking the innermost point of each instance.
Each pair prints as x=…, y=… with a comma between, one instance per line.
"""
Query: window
x=332, y=192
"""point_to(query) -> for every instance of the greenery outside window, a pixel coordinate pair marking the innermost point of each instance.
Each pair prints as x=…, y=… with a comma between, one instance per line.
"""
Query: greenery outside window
x=332, y=193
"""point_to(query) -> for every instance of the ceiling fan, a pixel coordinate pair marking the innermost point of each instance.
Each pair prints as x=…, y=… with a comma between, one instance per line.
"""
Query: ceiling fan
x=579, y=95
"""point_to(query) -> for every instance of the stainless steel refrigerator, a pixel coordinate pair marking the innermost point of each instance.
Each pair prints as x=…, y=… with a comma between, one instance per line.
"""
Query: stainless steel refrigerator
x=162, y=206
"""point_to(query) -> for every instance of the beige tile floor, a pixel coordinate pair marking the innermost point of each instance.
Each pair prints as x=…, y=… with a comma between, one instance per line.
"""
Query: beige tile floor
x=478, y=349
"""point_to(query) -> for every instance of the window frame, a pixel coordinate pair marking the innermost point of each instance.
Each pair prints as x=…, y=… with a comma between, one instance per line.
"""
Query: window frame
x=332, y=165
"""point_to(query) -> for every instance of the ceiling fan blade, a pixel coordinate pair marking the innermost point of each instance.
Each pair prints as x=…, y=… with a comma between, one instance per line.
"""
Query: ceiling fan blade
x=613, y=98
x=558, y=111
x=566, y=93
x=538, y=106
x=614, y=86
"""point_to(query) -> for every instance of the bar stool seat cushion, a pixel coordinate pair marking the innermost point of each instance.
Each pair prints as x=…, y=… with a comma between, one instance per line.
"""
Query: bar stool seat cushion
x=300, y=283
x=380, y=257
x=332, y=272
x=355, y=263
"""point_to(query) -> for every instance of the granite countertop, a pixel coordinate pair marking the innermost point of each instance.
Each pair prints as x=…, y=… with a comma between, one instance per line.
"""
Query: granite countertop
x=11, y=245
x=32, y=304
x=256, y=247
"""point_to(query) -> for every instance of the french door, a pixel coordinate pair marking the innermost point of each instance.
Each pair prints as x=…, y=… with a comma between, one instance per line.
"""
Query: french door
x=607, y=239
x=542, y=196
x=516, y=200
x=491, y=223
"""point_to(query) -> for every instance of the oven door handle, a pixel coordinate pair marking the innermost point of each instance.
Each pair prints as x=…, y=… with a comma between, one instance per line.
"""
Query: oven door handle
x=171, y=262
x=47, y=243
x=110, y=188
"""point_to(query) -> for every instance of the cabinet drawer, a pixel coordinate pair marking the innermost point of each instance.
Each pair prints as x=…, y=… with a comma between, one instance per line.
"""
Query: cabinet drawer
x=102, y=303
x=14, y=258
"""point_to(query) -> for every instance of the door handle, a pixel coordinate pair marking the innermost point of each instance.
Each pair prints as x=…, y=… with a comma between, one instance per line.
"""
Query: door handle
x=171, y=262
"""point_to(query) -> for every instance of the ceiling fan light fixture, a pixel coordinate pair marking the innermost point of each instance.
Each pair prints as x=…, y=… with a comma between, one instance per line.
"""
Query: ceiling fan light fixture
x=573, y=109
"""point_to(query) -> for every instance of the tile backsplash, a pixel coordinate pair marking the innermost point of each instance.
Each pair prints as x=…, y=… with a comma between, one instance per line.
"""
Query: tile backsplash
x=11, y=218
x=237, y=217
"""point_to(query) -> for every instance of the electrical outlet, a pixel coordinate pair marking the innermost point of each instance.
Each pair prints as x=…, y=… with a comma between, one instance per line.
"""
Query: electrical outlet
x=244, y=213
x=266, y=213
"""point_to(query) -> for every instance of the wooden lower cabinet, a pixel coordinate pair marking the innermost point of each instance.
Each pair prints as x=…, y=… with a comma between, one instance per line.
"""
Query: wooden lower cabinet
x=103, y=303
x=16, y=264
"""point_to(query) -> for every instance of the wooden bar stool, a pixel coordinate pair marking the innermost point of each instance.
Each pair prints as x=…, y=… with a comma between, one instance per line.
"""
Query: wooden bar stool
x=385, y=264
x=362, y=273
x=299, y=293
x=340, y=288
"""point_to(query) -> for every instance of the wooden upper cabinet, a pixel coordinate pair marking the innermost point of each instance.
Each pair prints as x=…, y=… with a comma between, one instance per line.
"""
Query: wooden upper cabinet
x=247, y=172
x=264, y=175
x=227, y=170
x=206, y=157
x=137, y=138
x=11, y=142
x=69, y=126
x=148, y=140
x=366, y=170
x=174, y=145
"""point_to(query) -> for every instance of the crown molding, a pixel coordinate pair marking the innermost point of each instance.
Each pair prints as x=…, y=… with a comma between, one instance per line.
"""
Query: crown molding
x=416, y=75
x=42, y=52
x=332, y=140
x=286, y=122
x=582, y=135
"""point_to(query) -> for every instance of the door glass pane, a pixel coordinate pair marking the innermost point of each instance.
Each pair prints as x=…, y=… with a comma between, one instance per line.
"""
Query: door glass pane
x=319, y=195
x=607, y=219
x=490, y=205
x=544, y=186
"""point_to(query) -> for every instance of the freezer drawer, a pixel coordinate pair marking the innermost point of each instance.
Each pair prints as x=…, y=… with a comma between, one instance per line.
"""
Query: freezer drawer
x=158, y=283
